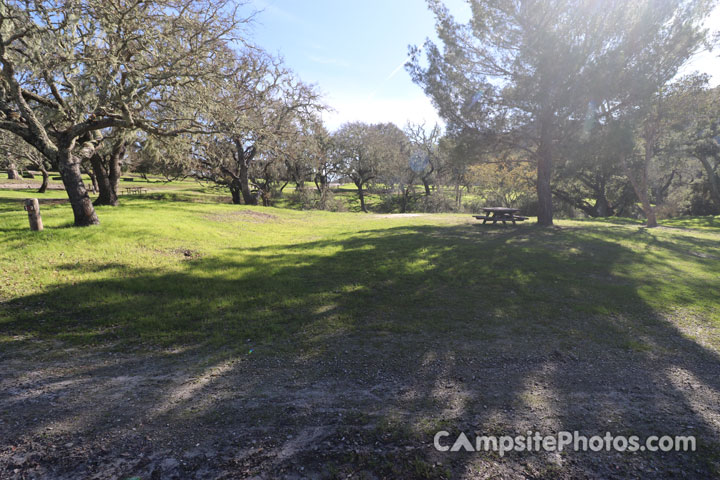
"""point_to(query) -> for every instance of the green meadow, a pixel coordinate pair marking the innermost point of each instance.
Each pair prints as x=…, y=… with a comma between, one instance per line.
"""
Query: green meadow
x=168, y=273
x=383, y=329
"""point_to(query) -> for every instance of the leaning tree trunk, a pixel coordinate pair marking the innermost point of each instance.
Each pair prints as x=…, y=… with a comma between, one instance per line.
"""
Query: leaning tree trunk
x=426, y=184
x=69, y=167
x=45, y=180
x=265, y=195
x=12, y=172
x=321, y=183
x=93, y=181
x=647, y=206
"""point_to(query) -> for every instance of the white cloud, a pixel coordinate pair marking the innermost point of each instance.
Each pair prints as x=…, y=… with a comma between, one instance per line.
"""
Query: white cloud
x=416, y=109
x=705, y=62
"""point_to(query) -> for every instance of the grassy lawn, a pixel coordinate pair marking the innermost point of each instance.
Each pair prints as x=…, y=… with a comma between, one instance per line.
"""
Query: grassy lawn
x=405, y=324
x=236, y=271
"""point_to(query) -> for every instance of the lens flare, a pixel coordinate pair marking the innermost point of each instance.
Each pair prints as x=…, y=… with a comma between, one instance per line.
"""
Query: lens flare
x=476, y=98
x=590, y=120
x=419, y=161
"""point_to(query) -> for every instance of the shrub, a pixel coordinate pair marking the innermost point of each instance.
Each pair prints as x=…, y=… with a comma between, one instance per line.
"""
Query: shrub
x=475, y=205
x=700, y=202
x=676, y=204
x=329, y=202
x=436, y=203
x=311, y=199
x=304, y=198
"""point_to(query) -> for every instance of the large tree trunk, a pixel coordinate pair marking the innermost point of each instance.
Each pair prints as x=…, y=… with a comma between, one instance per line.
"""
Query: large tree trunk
x=243, y=158
x=235, y=192
x=106, y=196
x=12, y=172
x=713, y=180
x=603, y=207
x=69, y=167
x=247, y=195
x=545, y=168
x=544, y=193
x=361, y=194
x=640, y=186
x=108, y=179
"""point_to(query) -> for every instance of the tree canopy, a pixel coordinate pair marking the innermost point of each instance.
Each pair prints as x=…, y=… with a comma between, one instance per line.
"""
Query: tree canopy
x=70, y=70
x=521, y=75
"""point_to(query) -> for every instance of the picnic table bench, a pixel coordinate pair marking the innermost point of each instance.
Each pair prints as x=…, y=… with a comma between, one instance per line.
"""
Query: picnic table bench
x=135, y=190
x=501, y=214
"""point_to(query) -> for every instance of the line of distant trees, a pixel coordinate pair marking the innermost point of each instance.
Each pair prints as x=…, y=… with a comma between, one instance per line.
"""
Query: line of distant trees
x=548, y=104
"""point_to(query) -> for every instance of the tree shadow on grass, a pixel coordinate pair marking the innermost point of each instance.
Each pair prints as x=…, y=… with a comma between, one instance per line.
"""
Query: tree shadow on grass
x=362, y=348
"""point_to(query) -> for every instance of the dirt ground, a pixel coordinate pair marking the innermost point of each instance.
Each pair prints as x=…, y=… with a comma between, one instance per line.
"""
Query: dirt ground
x=7, y=185
x=359, y=408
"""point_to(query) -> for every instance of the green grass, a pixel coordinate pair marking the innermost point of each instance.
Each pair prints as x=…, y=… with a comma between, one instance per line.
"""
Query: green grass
x=162, y=273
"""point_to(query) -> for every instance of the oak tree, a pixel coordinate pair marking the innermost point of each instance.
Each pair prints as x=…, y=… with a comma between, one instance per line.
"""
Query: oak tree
x=73, y=69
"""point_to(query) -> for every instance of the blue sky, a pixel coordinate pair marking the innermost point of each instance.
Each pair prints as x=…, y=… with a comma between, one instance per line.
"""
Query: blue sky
x=354, y=50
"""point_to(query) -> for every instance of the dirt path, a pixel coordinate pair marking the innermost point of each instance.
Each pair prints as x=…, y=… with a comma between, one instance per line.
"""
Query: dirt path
x=357, y=409
x=9, y=185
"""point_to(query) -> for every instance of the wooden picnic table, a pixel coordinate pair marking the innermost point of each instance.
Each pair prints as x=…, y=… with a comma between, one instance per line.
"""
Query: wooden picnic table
x=135, y=190
x=500, y=214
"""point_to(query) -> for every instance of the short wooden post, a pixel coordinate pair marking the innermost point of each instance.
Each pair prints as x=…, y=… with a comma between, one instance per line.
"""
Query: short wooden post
x=32, y=206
